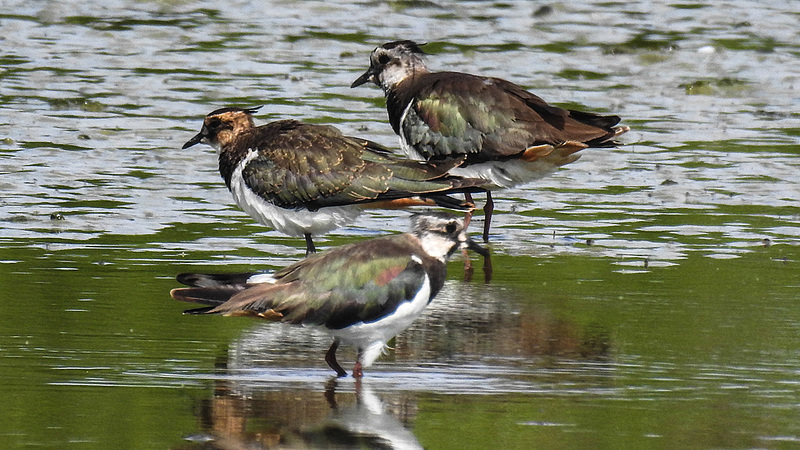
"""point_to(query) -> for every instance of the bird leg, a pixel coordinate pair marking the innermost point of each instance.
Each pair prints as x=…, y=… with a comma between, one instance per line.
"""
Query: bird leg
x=310, y=248
x=468, y=215
x=330, y=358
x=488, y=208
x=357, y=370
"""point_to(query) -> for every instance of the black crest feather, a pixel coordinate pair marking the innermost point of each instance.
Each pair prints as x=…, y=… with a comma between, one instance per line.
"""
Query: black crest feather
x=411, y=45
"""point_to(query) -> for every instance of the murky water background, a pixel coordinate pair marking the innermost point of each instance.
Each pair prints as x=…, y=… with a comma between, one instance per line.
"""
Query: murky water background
x=645, y=295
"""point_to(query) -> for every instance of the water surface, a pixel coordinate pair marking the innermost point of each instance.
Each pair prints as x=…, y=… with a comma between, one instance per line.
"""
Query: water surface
x=641, y=296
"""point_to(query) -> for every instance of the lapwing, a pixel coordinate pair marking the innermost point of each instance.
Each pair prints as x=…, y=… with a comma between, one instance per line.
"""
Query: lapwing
x=363, y=293
x=507, y=135
x=304, y=179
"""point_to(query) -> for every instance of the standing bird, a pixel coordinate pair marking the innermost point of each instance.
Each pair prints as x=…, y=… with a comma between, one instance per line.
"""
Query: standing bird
x=508, y=135
x=303, y=179
x=363, y=294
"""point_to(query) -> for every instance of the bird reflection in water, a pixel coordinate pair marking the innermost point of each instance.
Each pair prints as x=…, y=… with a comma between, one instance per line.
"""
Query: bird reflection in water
x=268, y=396
x=303, y=418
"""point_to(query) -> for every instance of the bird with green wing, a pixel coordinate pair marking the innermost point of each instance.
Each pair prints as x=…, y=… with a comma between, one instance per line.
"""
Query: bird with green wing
x=362, y=294
x=305, y=179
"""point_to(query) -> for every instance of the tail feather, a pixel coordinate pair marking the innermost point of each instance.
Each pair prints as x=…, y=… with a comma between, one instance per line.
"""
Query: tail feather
x=608, y=141
x=214, y=289
x=404, y=201
x=463, y=185
x=594, y=119
x=605, y=123
x=210, y=296
x=214, y=279
x=210, y=289
x=412, y=170
x=437, y=191
x=445, y=201
x=204, y=310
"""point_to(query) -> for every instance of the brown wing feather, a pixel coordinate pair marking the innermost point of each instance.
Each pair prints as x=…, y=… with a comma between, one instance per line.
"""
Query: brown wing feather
x=488, y=118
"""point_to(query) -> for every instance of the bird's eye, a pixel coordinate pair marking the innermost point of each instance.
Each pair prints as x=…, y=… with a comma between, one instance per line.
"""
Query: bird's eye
x=384, y=59
x=451, y=228
x=214, y=123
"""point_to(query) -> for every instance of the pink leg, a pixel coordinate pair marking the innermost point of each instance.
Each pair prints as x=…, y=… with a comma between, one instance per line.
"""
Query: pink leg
x=357, y=372
x=468, y=215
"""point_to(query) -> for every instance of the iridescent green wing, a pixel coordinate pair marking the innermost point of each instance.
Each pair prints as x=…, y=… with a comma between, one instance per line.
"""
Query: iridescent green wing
x=310, y=165
x=487, y=119
x=457, y=114
x=336, y=289
x=316, y=166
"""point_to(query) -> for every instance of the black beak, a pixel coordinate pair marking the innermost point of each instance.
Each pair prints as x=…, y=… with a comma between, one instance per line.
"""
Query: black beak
x=366, y=76
x=193, y=141
x=472, y=245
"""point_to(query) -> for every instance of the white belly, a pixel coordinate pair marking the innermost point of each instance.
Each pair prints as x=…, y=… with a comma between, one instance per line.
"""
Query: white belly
x=506, y=174
x=293, y=222
x=372, y=337
x=501, y=174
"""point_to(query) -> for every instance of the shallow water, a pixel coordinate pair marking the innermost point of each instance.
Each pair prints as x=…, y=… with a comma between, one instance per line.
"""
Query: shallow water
x=641, y=296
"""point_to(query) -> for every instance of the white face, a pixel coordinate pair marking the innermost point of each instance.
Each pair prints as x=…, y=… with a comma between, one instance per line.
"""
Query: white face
x=395, y=65
x=440, y=236
x=437, y=246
